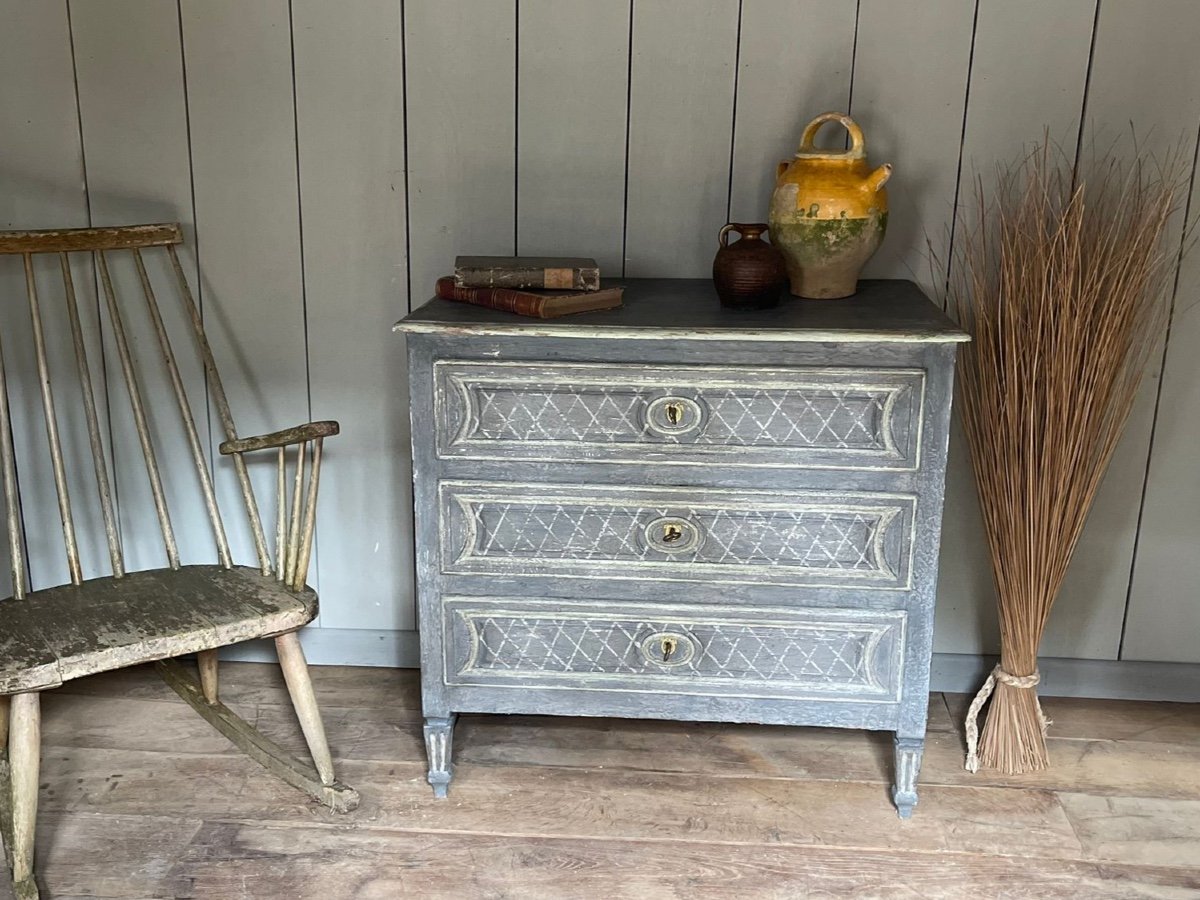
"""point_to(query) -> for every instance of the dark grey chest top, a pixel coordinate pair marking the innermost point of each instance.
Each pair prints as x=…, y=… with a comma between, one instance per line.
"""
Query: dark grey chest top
x=882, y=310
x=676, y=510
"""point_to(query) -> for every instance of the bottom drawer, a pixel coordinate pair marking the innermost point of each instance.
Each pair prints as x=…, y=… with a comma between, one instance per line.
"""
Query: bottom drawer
x=842, y=654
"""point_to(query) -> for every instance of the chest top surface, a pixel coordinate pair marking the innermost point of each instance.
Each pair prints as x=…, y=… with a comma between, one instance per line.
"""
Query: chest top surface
x=881, y=311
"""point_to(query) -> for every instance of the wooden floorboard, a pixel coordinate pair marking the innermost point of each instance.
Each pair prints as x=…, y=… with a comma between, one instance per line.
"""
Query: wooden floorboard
x=1114, y=768
x=140, y=798
x=253, y=860
x=1110, y=720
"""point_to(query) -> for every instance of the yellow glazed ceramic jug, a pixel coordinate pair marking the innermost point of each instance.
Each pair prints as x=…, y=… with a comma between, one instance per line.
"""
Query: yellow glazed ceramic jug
x=828, y=212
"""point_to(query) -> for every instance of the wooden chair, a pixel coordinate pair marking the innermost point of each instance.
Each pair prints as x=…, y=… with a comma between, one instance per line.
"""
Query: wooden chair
x=123, y=618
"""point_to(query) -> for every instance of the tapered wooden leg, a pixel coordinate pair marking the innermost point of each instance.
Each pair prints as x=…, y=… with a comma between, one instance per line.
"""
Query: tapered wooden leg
x=908, y=767
x=439, y=748
x=207, y=661
x=295, y=673
x=24, y=758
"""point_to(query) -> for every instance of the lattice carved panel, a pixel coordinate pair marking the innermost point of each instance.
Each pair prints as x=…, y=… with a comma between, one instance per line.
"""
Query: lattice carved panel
x=807, y=537
x=814, y=651
x=836, y=418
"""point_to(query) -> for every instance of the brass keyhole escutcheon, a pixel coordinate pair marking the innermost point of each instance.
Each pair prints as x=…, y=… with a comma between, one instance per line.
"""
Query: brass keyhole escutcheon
x=673, y=416
x=668, y=648
x=672, y=535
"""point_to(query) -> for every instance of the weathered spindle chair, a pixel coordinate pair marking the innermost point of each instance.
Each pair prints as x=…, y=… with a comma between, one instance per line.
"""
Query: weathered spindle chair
x=51, y=635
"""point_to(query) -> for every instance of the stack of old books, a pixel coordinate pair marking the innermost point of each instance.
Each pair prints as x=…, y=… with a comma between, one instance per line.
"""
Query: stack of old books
x=543, y=287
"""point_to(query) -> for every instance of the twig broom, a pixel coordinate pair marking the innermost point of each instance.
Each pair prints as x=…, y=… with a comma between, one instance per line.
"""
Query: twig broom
x=1064, y=283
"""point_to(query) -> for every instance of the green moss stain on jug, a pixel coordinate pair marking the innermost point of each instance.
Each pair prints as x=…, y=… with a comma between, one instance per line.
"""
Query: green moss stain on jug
x=828, y=213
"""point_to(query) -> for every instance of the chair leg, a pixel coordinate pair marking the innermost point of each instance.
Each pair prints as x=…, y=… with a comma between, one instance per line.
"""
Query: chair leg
x=295, y=673
x=24, y=759
x=207, y=661
x=277, y=760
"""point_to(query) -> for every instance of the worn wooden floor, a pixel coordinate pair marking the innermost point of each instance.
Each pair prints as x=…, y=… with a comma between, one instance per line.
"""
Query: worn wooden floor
x=140, y=798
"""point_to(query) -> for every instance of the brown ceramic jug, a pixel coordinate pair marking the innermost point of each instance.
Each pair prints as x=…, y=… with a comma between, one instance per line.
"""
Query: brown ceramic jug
x=749, y=273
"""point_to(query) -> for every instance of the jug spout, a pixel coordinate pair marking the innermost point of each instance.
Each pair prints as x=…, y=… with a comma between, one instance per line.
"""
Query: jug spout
x=878, y=178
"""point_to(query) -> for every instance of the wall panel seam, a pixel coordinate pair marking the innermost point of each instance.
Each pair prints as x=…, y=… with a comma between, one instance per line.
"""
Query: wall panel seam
x=962, y=143
x=853, y=63
x=407, y=193
x=198, y=288
x=1087, y=86
x=628, y=116
x=737, y=72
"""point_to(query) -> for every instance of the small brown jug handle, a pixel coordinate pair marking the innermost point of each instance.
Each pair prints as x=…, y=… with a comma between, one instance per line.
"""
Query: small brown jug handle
x=741, y=228
x=858, y=145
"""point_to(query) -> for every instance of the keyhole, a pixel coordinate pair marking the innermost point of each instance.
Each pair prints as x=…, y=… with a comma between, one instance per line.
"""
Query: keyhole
x=671, y=533
x=668, y=648
x=674, y=413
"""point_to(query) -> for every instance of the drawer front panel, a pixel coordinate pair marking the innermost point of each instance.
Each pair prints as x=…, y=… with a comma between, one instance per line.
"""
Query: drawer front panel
x=830, y=653
x=799, y=417
x=809, y=538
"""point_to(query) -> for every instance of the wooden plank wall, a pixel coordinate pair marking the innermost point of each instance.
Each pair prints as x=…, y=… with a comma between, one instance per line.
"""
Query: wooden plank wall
x=328, y=163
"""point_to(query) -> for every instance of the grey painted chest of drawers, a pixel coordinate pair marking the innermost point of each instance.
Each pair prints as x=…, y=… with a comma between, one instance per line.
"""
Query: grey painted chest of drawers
x=678, y=511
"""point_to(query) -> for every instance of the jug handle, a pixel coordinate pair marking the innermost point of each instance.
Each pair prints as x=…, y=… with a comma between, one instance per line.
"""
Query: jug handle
x=858, y=145
x=742, y=229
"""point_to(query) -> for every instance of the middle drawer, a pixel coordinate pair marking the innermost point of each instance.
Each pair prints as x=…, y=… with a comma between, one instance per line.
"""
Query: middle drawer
x=793, y=537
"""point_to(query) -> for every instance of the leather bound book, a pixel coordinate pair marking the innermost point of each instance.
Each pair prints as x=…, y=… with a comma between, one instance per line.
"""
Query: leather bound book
x=536, y=304
x=544, y=272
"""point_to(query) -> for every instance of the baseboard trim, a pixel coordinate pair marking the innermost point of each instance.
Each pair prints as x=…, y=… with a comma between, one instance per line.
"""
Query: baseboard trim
x=1104, y=678
x=341, y=647
x=953, y=672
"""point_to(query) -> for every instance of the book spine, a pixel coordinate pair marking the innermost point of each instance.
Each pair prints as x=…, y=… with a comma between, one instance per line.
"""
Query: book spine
x=494, y=298
x=549, y=279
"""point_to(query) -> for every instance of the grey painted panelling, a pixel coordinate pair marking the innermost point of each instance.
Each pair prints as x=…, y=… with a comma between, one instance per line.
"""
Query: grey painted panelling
x=461, y=95
x=240, y=102
x=41, y=185
x=910, y=103
x=1136, y=56
x=680, y=124
x=352, y=196
x=1053, y=44
x=1164, y=610
x=139, y=170
x=516, y=138
x=572, y=91
x=795, y=62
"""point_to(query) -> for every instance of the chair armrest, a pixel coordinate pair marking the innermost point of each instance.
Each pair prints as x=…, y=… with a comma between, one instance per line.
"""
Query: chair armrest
x=280, y=438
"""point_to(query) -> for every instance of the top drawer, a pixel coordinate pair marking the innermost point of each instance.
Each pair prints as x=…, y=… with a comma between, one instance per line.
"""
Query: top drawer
x=580, y=412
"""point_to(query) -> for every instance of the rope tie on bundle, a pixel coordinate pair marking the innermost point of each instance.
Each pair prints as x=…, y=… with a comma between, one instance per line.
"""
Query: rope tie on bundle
x=971, y=726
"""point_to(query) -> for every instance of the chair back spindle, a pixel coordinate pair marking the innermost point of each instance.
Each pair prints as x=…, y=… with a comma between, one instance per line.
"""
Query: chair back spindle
x=56, y=452
x=185, y=411
x=8, y=472
x=139, y=412
x=116, y=317
x=112, y=532
x=216, y=389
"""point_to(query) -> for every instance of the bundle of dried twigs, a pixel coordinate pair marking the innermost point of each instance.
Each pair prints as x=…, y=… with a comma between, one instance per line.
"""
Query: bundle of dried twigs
x=1065, y=285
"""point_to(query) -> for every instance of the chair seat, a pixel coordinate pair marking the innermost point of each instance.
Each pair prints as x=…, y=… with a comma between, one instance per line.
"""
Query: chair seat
x=108, y=623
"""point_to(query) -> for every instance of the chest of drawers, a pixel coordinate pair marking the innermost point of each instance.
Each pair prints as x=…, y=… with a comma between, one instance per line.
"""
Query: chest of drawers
x=678, y=511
